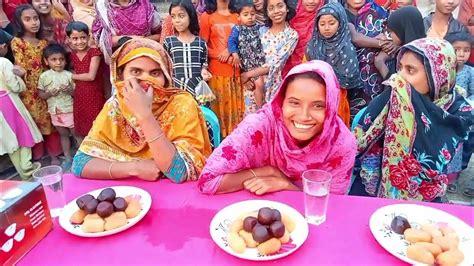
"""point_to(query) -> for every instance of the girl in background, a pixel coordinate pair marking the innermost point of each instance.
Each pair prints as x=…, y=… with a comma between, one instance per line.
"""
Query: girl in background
x=216, y=26
x=88, y=67
x=27, y=49
x=168, y=29
x=53, y=28
x=19, y=131
x=187, y=51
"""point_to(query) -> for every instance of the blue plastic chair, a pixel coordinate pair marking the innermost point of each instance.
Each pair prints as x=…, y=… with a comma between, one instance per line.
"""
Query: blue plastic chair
x=355, y=121
x=357, y=118
x=213, y=127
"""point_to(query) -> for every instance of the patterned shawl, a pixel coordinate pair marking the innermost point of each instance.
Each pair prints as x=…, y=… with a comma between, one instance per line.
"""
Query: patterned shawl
x=136, y=19
x=303, y=24
x=116, y=135
x=337, y=50
x=407, y=142
x=262, y=139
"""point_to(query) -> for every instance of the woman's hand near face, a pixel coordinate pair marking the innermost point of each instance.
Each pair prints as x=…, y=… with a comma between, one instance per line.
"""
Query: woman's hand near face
x=138, y=101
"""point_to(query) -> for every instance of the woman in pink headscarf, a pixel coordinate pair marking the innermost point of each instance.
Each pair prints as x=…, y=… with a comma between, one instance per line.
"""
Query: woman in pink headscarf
x=303, y=23
x=298, y=130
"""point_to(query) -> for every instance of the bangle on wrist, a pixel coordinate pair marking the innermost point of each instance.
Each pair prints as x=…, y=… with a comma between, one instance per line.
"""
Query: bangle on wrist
x=253, y=173
x=110, y=170
x=159, y=136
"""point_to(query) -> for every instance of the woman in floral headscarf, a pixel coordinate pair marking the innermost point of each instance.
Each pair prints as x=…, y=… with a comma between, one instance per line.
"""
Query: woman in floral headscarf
x=411, y=136
x=298, y=130
x=148, y=129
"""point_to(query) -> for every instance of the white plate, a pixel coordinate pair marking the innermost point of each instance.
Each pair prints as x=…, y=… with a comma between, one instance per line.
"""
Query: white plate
x=417, y=215
x=121, y=191
x=219, y=228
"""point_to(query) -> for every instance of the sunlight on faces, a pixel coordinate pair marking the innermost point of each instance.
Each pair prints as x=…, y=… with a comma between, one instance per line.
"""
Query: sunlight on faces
x=446, y=7
x=411, y=68
x=304, y=108
x=311, y=5
x=247, y=16
x=56, y=62
x=30, y=20
x=463, y=51
x=277, y=11
x=179, y=18
x=43, y=7
x=79, y=40
x=258, y=4
x=328, y=25
x=355, y=4
x=143, y=67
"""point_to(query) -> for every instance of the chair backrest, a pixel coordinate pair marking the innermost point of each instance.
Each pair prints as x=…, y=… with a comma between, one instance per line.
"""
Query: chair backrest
x=212, y=126
x=357, y=118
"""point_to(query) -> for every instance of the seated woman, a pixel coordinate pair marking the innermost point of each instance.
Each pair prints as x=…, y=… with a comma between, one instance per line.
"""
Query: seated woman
x=298, y=130
x=411, y=136
x=148, y=128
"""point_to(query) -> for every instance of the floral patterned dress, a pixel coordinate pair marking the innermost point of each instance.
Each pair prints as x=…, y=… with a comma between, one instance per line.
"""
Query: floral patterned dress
x=407, y=142
x=29, y=56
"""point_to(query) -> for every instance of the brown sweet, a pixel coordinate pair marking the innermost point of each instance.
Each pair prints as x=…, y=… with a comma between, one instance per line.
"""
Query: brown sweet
x=78, y=217
x=276, y=215
x=105, y=209
x=249, y=223
x=107, y=194
x=120, y=204
x=93, y=223
x=270, y=246
x=260, y=233
x=399, y=224
x=277, y=229
x=116, y=220
x=265, y=216
x=133, y=209
x=91, y=206
x=83, y=200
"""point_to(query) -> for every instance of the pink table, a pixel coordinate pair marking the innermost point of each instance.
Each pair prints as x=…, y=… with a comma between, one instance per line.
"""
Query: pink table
x=176, y=231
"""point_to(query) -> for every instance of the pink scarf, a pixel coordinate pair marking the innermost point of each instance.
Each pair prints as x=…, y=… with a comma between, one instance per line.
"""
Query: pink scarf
x=304, y=24
x=262, y=139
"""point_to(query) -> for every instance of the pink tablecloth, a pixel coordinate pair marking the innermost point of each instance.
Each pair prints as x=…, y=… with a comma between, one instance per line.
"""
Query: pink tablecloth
x=176, y=231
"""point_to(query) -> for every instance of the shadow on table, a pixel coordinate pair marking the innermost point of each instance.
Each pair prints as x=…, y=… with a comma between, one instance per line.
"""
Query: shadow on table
x=181, y=226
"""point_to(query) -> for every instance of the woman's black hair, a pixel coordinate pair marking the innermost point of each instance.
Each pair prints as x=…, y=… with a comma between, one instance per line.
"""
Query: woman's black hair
x=240, y=4
x=5, y=38
x=211, y=5
x=19, y=27
x=121, y=42
x=55, y=48
x=77, y=26
x=460, y=36
x=189, y=8
x=306, y=75
x=289, y=15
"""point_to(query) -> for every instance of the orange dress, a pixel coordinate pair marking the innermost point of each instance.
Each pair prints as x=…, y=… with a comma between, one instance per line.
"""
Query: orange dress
x=29, y=56
x=225, y=81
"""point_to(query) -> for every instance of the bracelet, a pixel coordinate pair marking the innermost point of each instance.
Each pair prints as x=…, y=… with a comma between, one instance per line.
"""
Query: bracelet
x=157, y=137
x=253, y=172
x=110, y=170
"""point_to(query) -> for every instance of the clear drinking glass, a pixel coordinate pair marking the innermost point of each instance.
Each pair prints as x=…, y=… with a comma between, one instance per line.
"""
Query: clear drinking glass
x=51, y=177
x=316, y=186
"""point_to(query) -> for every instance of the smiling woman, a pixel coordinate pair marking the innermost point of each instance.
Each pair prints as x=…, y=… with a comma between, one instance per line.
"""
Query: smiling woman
x=298, y=130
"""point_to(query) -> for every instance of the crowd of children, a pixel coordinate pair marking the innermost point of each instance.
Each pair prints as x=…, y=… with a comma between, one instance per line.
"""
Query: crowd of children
x=241, y=48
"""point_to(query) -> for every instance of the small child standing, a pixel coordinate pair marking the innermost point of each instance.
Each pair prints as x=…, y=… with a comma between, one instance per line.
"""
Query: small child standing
x=187, y=50
x=245, y=46
x=56, y=86
x=462, y=43
x=87, y=63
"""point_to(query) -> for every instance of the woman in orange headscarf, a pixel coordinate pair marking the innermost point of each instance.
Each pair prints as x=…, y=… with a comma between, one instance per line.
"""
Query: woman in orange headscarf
x=148, y=129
